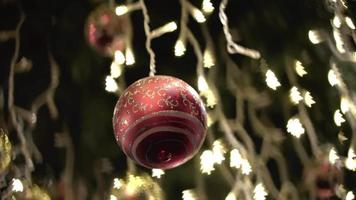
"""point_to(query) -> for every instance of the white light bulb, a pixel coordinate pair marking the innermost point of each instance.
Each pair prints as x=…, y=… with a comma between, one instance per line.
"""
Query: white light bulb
x=110, y=84
x=179, y=48
x=271, y=80
x=198, y=15
x=295, y=127
x=121, y=10
x=157, y=173
x=207, y=6
x=17, y=185
x=349, y=23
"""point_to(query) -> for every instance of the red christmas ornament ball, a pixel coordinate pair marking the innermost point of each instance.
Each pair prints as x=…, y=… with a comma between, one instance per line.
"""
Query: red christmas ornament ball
x=160, y=122
x=105, y=31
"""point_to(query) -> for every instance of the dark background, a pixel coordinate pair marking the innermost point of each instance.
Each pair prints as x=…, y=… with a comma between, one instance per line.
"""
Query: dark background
x=277, y=28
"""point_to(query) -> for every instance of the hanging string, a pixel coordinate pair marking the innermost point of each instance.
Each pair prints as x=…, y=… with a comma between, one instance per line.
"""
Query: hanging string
x=232, y=47
x=149, y=38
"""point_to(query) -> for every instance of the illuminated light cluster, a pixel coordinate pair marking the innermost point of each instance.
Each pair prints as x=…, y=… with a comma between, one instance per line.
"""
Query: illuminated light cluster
x=119, y=57
x=295, y=127
x=121, y=10
x=259, y=193
x=179, y=48
x=315, y=37
x=110, y=84
x=167, y=28
x=115, y=70
x=308, y=99
x=350, y=196
x=299, y=68
x=209, y=120
x=117, y=183
x=295, y=95
x=113, y=197
x=271, y=80
x=129, y=57
x=218, y=152
x=332, y=78
x=230, y=196
x=207, y=6
x=208, y=59
x=198, y=15
x=350, y=162
x=205, y=91
x=17, y=185
x=333, y=156
x=207, y=162
x=349, y=23
x=338, y=118
x=189, y=195
x=134, y=183
x=340, y=45
x=344, y=105
x=337, y=21
x=246, y=168
x=157, y=173
x=238, y=162
x=235, y=159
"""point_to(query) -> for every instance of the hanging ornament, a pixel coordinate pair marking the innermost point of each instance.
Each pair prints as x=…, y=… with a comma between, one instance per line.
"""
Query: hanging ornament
x=136, y=188
x=105, y=31
x=160, y=122
x=5, y=151
x=323, y=178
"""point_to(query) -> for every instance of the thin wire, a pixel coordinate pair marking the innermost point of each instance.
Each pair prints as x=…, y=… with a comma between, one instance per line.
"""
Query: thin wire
x=232, y=47
x=146, y=26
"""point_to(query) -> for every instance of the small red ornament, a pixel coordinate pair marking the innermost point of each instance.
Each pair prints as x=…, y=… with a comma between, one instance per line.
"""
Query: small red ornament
x=160, y=122
x=105, y=31
x=323, y=178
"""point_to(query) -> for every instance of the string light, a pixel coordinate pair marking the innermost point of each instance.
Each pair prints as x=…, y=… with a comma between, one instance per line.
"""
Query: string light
x=295, y=128
x=299, y=68
x=129, y=57
x=344, y=105
x=338, y=118
x=340, y=45
x=308, y=99
x=167, y=28
x=235, y=159
x=332, y=78
x=121, y=10
x=271, y=80
x=337, y=21
x=157, y=173
x=198, y=15
x=350, y=196
x=209, y=120
x=179, y=48
x=113, y=197
x=295, y=95
x=110, y=84
x=119, y=57
x=230, y=196
x=333, y=156
x=205, y=91
x=208, y=59
x=117, y=183
x=17, y=185
x=246, y=168
x=259, y=193
x=350, y=162
x=207, y=162
x=315, y=37
x=189, y=195
x=349, y=23
x=207, y=6
x=115, y=70
x=218, y=151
